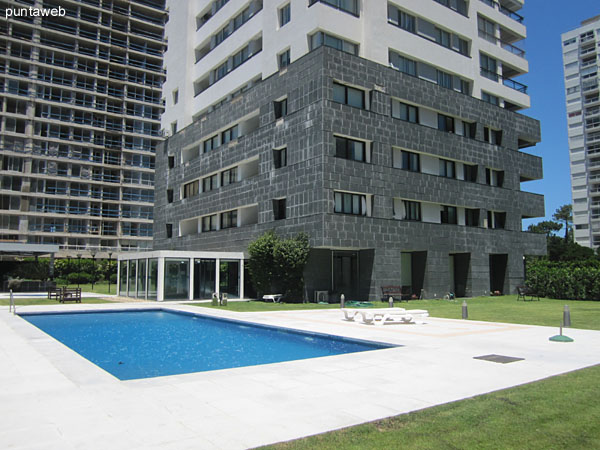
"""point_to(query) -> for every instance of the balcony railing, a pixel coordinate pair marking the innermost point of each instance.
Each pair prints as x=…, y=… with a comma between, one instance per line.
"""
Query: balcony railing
x=504, y=10
x=505, y=45
x=508, y=82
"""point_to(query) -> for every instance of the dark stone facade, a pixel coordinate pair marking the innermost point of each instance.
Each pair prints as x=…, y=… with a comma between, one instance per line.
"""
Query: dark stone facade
x=313, y=173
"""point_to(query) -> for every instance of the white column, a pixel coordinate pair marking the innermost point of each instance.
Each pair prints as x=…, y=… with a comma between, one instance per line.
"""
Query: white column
x=160, y=282
x=217, y=275
x=241, y=279
x=191, y=286
x=118, y=278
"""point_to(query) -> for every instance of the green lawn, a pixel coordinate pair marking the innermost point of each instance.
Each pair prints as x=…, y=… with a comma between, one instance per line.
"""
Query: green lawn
x=561, y=412
x=99, y=288
x=506, y=308
x=45, y=301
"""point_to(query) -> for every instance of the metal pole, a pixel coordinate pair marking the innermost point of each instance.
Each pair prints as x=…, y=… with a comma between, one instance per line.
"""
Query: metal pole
x=567, y=316
x=93, y=269
x=391, y=301
x=465, y=311
x=342, y=301
x=11, y=303
x=109, y=266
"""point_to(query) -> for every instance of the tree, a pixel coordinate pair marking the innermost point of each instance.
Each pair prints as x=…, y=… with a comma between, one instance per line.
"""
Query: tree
x=260, y=264
x=547, y=227
x=565, y=214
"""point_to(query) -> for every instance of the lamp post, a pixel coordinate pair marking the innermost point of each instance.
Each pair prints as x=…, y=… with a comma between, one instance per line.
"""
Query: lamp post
x=78, y=266
x=93, y=269
x=109, y=274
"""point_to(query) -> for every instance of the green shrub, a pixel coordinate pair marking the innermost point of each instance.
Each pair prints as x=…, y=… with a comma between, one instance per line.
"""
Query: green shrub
x=579, y=280
x=79, y=278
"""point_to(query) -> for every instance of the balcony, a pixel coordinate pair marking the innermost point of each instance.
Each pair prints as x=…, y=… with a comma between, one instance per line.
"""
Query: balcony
x=508, y=82
x=504, y=10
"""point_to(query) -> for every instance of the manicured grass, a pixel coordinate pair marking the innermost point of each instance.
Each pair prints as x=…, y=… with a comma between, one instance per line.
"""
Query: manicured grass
x=561, y=412
x=99, y=288
x=505, y=308
x=45, y=301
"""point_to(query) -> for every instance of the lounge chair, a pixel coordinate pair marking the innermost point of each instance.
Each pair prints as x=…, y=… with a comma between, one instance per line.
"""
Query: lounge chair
x=388, y=316
x=351, y=314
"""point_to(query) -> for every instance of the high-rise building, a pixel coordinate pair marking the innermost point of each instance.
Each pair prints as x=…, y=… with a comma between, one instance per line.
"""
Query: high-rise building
x=388, y=131
x=80, y=102
x=581, y=58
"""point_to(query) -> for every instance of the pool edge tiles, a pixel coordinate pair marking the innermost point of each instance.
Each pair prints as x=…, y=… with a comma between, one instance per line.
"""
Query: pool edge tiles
x=154, y=342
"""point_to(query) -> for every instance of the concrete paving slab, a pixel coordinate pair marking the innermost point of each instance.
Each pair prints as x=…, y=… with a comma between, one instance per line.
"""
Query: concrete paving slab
x=50, y=397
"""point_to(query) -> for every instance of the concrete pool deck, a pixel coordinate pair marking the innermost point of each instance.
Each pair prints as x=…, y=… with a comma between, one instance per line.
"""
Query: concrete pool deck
x=52, y=398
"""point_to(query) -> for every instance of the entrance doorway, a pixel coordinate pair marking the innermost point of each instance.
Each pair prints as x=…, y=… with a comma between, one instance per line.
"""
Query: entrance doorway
x=204, y=278
x=460, y=264
x=345, y=274
x=498, y=264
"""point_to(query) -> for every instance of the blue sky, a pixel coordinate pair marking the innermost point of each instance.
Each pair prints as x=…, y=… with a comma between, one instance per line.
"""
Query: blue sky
x=546, y=20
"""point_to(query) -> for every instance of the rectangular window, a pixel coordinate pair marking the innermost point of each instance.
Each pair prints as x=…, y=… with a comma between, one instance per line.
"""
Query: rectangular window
x=284, y=59
x=470, y=173
x=169, y=195
x=403, y=111
x=411, y=161
x=494, y=177
x=490, y=98
x=171, y=162
x=209, y=183
x=318, y=39
x=279, y=209
x=444, y=79
x=191, y=189
x=448, y=215
x=412, y=210
x=229, y=135
x=348, y=95
x=169, y=230
x=280, y=158
x=471, y=217
x=469, y=129
x=445, y=123
x=442, y=37
x=463, y=47
x=209, y=223
x=346, y=203
x=349, y=6
x=401, y=19
x=492, y=136
x=496, y=220
x=447, y=168
x=350, y=149
x=229, y=219
x=489, y=67
x=284, y=15
x=229, y=176
x=280, y=108
x=211, y=143
x=404, y=65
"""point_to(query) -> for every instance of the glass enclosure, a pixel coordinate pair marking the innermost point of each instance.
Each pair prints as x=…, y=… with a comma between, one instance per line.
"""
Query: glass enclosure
x=123, y=278
x=141, y=279
x=152, y=278
x=177, y=276
x=204, y=278
x=229, y=278
x=132, y=278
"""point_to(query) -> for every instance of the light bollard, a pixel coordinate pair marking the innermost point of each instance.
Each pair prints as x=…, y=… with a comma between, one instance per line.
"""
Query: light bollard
x=391, y=301
x=342, y=301
x=465, y=311
x=215, y=299
x=566, y=317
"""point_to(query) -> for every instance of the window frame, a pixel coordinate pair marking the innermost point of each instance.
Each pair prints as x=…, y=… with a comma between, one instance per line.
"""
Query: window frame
x=347, y=90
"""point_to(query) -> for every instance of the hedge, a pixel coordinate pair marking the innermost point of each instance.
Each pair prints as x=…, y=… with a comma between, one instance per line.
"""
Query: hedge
x=565, y=280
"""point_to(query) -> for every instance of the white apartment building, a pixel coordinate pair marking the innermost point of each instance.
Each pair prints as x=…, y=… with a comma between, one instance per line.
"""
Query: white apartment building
x=581, y=58
x=219, y=48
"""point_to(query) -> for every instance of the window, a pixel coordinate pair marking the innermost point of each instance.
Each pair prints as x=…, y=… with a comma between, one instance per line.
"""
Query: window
x=496, y=219
x=284, y=59
x=350, y=149
x=175, y=96
x=471, y=217
x=229, y=219
x=346, y=203
x=448, y=215
x=318, y=39
x=349, y=6
x=229, y=176
x=412, y=210
x=209, y=183
x=171, y=162
x=280, y=108
x=487, y=29
x=285, y=15
x=447, y=168
x=492, y=136
x=411, y=161
x=402, y=19
x=494, y=177
x=470, y=172
x=403, y=111
x=445, y=123
x=169, y=230
x=229, y=135
x=191, y=189
x=169, y=195
x=174, y=127
x=279, y=209
x=348, y=95
x=463, y=47
x=444, y=79
x=488, y=66
x=280, y=158
x=442, y=37
x=211, y=143
x=403, y=64
x=469, y=129
x=489, y=98
x=209, y=223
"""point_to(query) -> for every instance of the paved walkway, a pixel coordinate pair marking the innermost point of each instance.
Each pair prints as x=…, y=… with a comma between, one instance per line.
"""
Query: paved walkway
x=51, y=398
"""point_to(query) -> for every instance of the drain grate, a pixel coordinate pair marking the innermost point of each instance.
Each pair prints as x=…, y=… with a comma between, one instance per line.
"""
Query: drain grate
x=499, y=358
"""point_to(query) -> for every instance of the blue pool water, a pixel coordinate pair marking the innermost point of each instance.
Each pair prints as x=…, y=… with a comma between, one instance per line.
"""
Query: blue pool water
x=152, y=343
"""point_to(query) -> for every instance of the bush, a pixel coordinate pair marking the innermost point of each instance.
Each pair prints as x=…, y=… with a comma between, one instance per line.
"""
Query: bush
x=565, y=280
x=113, y=278
x=79, y=278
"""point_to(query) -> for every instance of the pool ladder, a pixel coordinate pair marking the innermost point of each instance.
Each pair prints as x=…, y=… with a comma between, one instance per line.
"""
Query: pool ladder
x=11, y=303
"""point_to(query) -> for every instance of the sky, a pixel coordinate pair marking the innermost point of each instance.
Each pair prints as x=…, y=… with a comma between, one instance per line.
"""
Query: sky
x=546, y=20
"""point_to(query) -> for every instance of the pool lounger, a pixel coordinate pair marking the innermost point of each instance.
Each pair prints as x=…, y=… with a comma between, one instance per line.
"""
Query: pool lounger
x=390, y=317
x=351, y=314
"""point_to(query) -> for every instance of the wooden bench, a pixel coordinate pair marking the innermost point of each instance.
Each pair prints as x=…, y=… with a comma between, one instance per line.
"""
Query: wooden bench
x=54, y=292
x=523, y=292
x=398, y=293
x=70, y=295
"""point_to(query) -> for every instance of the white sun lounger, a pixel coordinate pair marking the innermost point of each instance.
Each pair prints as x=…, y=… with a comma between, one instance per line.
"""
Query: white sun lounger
x=388, y=317
x=351, y=313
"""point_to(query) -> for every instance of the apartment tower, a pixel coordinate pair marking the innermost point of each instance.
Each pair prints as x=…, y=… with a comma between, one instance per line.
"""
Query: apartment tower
x=80, y=102
x=388, y=131
x=581, y=58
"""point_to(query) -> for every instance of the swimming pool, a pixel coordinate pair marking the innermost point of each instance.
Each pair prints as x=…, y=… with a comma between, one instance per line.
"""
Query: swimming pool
x=158, y=342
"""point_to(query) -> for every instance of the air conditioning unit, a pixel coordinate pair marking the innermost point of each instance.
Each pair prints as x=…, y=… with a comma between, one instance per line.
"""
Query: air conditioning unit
x=321, y=296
